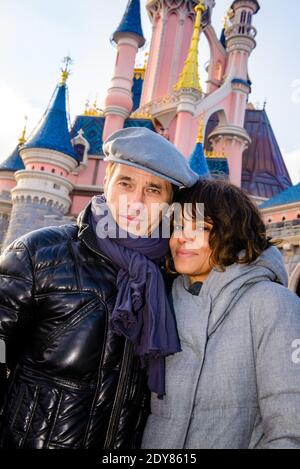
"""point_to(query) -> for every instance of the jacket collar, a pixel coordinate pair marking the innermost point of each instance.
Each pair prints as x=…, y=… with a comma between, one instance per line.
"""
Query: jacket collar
x=86, y=232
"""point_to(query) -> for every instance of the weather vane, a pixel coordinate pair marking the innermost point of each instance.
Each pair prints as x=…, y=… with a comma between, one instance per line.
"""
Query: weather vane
x=65, y=71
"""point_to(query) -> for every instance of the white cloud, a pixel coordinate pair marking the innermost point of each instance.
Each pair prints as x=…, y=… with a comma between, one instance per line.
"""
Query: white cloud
x=12, y=119
x=292, y=161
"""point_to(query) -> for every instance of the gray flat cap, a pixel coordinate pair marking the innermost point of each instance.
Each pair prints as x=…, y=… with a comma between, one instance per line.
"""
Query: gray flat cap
x=144, y=149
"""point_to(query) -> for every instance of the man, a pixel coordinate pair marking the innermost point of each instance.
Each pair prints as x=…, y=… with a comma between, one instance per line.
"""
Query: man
x=85, y=317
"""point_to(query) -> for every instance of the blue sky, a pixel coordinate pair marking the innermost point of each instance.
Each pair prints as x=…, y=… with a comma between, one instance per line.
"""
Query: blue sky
x=36, y=34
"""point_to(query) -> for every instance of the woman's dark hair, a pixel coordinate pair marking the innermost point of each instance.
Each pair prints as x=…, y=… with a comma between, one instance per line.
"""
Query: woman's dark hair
x=237, y=222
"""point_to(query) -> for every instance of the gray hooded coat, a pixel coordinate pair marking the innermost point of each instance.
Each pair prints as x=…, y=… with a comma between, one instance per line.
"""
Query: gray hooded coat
x=236, y=383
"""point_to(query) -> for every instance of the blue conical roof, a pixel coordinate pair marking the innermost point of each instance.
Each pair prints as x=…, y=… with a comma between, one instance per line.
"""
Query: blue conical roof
x=53, y=132
x=131, y=22
x=14, y=162
x=288, y=196
x=198, y=162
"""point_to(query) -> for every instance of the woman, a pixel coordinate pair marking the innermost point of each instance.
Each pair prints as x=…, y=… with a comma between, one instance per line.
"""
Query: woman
x=236, y=383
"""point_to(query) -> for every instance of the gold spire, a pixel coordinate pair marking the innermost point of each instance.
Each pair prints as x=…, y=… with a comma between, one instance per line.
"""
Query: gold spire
x=22, y=138
x=189, y=77
x=65, y=72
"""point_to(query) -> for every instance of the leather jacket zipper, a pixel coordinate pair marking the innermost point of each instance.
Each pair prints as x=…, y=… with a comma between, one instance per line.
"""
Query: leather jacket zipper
x=119, y=398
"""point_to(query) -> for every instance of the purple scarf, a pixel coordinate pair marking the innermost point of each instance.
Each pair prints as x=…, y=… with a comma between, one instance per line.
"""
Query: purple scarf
x=142, y=313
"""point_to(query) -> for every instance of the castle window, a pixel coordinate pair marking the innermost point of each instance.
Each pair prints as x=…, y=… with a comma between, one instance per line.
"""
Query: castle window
x=33, y=167
x=270, y=220
x=243, y=17
x=56, y=186
x=80, y=149
x=42, y=168
x=283, y=219
x=243, y=20
x=53, y=170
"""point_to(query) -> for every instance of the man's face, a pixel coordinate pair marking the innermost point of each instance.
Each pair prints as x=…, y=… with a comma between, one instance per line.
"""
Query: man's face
x=135, y=198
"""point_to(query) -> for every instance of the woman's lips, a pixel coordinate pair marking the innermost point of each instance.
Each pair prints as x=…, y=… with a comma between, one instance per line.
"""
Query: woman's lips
x=184, y=253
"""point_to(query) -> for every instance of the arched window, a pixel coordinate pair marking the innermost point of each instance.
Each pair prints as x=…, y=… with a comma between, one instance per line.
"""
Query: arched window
x=79, y=149
x=243, y=16
x=243, y=20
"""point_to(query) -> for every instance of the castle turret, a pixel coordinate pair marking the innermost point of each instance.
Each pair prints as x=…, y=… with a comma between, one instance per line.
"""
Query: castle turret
x=43, y=187
x=172, y=29
x=240, y=42
x=188, y=89
x=7, y=182
x=128, y=38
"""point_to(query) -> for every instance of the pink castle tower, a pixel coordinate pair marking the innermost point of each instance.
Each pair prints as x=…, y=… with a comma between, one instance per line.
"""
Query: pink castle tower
x=128, y=38
x=172, y=92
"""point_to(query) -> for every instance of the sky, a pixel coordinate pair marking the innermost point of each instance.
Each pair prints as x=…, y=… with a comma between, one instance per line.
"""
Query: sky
x=35, y=35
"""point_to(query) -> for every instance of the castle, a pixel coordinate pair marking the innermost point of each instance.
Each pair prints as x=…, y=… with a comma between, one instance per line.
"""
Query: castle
x=51, y=177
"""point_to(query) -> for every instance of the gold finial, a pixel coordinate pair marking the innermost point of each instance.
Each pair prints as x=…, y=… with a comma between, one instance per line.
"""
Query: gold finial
x=22, y=138
x=140, y=70
x=189, y=77
x=228, y=18
x=65, y=72
x=93, y=110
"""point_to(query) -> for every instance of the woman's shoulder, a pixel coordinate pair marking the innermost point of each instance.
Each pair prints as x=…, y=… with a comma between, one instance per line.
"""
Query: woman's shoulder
x=270, y=301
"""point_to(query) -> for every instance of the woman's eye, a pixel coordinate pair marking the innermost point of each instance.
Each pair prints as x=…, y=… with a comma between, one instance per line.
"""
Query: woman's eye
x=123, y=184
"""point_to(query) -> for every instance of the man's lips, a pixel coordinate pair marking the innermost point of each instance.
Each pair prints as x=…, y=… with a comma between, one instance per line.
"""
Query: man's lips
x=185, y=253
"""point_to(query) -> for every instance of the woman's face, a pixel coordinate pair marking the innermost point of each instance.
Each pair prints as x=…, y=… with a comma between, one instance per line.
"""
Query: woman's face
x=190, y=248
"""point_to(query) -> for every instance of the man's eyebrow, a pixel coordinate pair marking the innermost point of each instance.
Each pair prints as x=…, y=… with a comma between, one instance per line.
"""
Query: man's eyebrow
x=124, y=178
x=155, y=185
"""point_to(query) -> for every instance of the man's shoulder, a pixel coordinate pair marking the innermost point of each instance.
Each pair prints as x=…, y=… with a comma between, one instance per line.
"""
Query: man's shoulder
x=48, y=236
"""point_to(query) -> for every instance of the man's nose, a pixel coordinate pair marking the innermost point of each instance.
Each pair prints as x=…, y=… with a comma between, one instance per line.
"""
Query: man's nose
x=136, y=206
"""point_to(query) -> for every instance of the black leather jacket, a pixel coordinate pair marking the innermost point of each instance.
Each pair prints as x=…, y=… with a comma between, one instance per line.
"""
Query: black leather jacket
x=74, y=384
